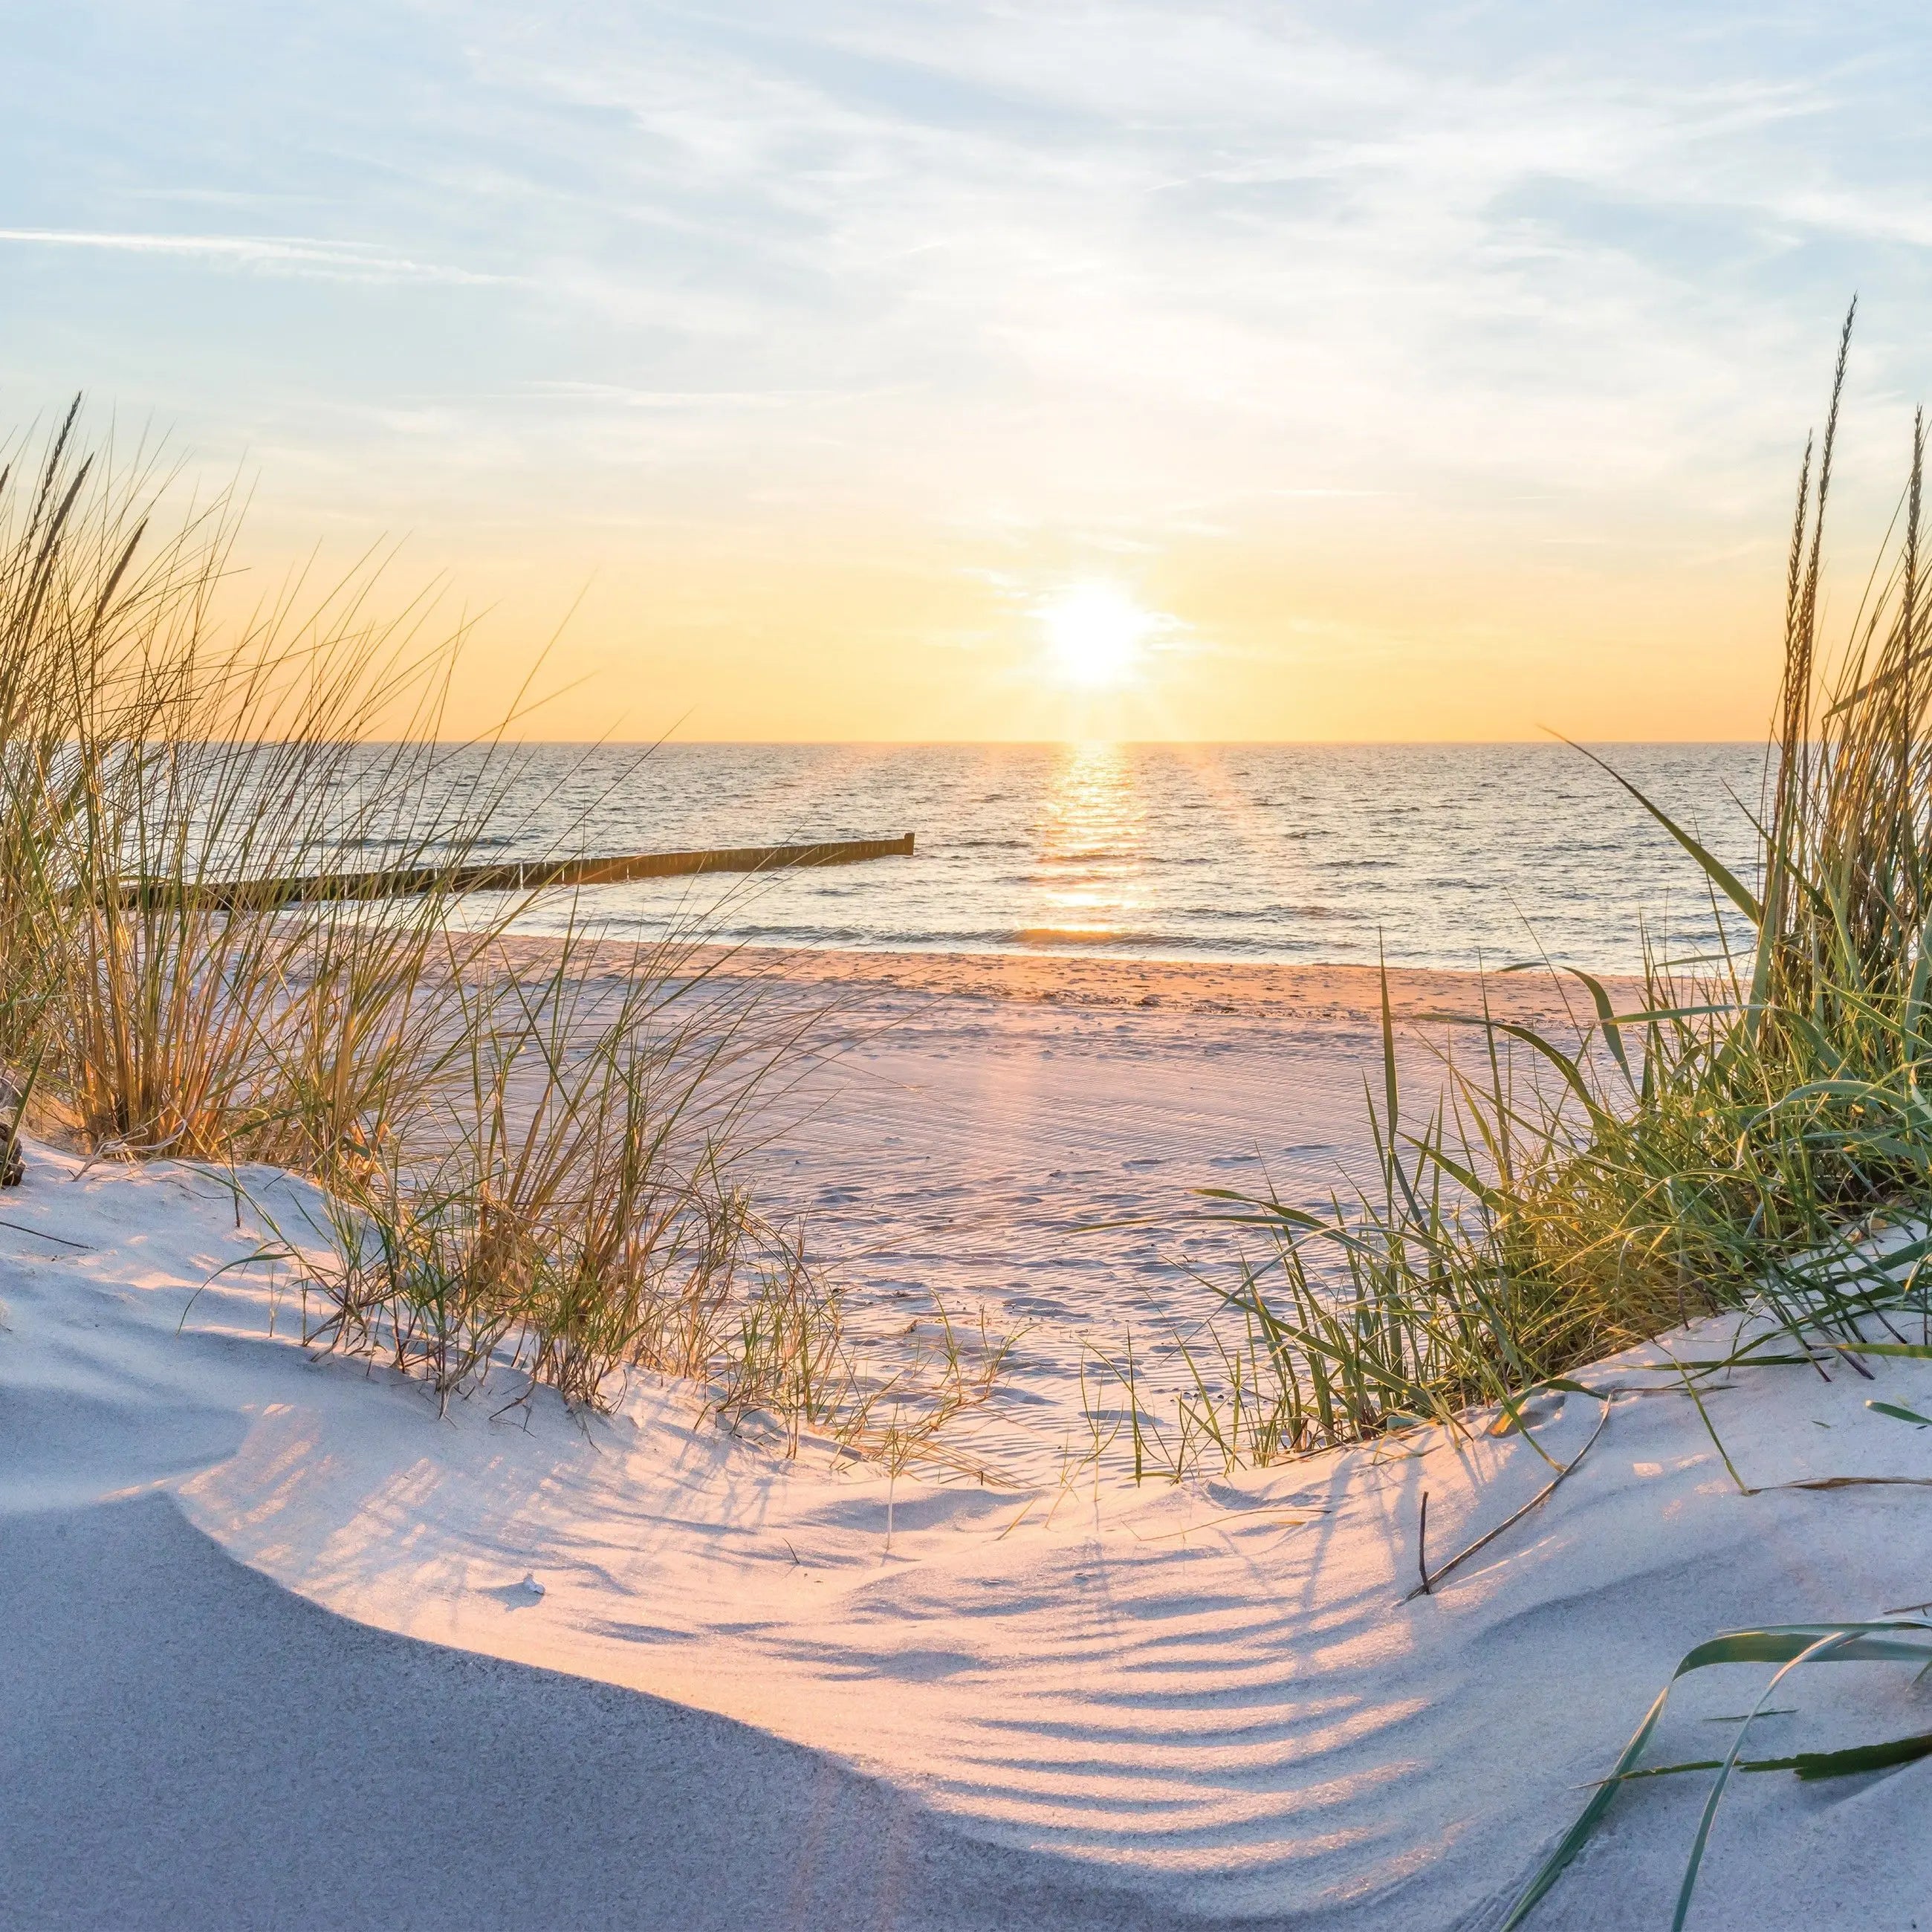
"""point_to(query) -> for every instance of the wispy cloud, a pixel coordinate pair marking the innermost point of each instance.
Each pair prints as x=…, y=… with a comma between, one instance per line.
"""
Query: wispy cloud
x=293, y=255
x=1033, y=287
x=1168, y=246
x=618, y=396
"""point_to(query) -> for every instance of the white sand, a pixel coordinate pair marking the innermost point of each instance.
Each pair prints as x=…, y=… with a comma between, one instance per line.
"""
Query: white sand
x=993, y=1107
x=1105, y=1706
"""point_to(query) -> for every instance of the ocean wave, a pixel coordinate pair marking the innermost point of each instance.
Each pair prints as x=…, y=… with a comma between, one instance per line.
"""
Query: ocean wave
x=1250, y=915
x=1078, y=935
x=1500, y=835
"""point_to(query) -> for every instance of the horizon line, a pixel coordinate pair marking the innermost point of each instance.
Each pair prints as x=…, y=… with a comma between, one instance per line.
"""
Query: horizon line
x=1043, y=744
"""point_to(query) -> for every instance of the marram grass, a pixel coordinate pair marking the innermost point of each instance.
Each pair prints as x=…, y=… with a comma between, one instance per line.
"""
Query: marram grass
x=1727, y=1144
x=1734, y=1143
x=512, y=1173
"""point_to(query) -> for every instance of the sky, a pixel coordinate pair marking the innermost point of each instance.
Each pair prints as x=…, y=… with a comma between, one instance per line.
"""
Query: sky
x=915, y=371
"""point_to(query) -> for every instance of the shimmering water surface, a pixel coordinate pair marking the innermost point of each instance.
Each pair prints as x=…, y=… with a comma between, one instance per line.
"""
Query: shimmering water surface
x=1444, y=855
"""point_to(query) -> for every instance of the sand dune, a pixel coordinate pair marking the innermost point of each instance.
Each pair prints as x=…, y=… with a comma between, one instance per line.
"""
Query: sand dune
x=267, y=1655
x=185, y=1744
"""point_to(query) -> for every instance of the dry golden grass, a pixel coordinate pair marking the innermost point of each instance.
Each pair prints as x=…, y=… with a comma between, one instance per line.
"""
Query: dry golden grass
x=516, y=1174
x=1725, y=1145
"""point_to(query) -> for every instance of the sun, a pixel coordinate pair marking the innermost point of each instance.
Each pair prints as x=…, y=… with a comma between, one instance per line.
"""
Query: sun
x=1094, y=635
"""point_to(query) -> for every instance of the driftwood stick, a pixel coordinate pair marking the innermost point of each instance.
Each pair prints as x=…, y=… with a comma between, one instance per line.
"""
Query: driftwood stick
x=1428, y=1584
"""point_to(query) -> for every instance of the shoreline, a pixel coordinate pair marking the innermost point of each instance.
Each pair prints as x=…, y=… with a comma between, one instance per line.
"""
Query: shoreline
x=1032, y=1140
x=1315, y=992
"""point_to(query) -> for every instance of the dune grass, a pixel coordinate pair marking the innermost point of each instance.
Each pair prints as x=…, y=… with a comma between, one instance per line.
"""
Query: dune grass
x=1732, y=1142
x=519, y=1168
x=1754, y=1136
x=1899, y=1640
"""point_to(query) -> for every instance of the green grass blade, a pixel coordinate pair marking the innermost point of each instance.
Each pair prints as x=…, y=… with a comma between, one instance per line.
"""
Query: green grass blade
x=1892, y=1408
x=1714, y=869
x=1785, y=1645
x=1811, y=1766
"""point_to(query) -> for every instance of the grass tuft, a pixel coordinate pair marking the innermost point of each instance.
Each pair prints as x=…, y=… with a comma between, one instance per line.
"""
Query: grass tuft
x=1732, y=1143
x=527, y=1168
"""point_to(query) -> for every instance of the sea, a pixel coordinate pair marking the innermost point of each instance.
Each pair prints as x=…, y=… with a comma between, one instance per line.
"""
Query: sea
x=1457, y=856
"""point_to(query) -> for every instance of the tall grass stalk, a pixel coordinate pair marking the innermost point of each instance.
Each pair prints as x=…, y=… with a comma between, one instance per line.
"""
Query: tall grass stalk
x=1730, y=1143
x=534, y=1166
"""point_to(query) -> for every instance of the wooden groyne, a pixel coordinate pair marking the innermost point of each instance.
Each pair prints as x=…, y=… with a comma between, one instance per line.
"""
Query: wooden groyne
x=518, y=875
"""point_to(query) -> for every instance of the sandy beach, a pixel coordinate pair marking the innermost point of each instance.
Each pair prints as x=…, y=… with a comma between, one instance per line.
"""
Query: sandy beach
x=1027, y=1137
x=1297, y=997
x=967, y=969
x=541, y=1669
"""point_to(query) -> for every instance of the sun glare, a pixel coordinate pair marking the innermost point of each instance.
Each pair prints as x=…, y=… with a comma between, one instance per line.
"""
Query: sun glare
x=1094, y=635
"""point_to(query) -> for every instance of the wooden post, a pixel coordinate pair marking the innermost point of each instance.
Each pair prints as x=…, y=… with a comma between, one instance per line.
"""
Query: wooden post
x=518, y=875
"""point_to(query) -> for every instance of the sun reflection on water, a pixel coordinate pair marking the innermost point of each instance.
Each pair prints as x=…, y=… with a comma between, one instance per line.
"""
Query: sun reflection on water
x=1086, y=887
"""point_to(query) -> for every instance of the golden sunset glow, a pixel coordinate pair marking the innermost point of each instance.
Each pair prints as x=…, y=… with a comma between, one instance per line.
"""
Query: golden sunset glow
x=1095, y=634
x=1251, y=384
x=1086, y=887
